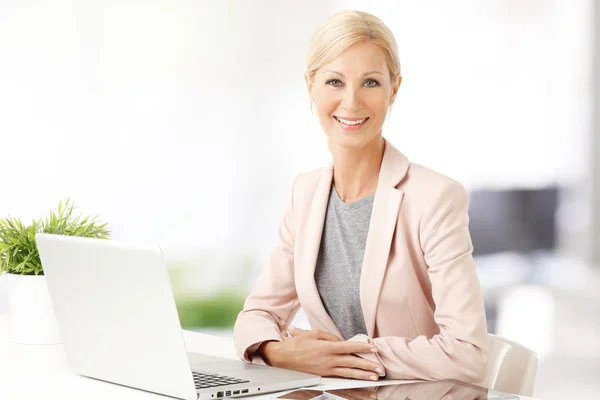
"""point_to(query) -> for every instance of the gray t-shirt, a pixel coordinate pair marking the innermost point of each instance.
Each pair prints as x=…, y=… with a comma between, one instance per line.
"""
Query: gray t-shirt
x=339, y=264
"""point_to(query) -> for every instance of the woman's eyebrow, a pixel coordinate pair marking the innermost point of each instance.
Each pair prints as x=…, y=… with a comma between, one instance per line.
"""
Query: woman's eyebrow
x=365, y=74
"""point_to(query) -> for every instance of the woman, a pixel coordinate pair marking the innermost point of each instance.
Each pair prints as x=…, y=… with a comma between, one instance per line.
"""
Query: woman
x=375, y=249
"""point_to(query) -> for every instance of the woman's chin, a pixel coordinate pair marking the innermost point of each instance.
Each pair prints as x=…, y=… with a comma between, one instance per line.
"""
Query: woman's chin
x=350, y=141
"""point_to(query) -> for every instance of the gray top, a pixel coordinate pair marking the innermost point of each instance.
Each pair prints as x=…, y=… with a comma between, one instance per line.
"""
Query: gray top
x=339, y=264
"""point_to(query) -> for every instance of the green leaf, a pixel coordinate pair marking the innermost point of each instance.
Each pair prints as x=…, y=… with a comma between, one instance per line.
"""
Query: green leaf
x=18, y=250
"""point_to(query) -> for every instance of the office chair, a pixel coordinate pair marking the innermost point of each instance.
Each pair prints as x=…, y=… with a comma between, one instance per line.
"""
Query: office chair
x=511, y=367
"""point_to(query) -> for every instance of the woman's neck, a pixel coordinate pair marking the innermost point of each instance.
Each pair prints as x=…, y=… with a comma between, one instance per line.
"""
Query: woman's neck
x=356, y=171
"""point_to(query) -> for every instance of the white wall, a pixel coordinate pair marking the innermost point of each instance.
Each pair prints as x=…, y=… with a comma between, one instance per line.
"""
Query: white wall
x=184, y=123
x=172, y=119
x=494, y=93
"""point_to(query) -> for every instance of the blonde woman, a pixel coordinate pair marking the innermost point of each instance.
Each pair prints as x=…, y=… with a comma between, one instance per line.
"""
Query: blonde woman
x=375, y=249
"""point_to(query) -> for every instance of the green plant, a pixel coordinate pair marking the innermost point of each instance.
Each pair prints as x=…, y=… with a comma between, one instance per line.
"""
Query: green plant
x=219, y=311
x=18, y=251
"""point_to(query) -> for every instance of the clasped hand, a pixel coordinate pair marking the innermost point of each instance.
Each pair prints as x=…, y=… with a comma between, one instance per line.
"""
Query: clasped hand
x=321, y=353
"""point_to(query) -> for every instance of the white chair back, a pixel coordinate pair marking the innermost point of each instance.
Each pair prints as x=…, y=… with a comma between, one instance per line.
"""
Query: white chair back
x=511, y=367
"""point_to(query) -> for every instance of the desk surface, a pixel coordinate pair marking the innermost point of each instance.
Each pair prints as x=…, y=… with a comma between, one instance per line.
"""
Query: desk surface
x=41, y=372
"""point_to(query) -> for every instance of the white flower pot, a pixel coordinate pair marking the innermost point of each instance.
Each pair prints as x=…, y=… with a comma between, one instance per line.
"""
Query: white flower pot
x=3, y=295
x=31, y=316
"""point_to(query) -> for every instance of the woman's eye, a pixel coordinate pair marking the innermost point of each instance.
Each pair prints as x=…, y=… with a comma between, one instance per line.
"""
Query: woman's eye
x=334, y=82
x=371, y=83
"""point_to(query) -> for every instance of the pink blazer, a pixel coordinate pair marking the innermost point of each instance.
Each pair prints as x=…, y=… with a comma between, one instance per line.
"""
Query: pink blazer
x=419, y=290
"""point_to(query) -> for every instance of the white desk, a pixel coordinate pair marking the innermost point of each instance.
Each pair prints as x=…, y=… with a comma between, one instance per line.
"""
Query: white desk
x=41, y=372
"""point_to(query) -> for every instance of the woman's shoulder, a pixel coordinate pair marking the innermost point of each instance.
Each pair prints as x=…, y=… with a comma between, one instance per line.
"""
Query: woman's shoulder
x=308, y=180
x=422, y=183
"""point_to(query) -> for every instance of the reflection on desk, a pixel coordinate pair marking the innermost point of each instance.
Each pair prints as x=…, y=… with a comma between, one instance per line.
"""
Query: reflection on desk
x=436, y=390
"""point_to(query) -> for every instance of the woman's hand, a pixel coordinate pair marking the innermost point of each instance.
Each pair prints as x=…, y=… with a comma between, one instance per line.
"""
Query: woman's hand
x=321, y=353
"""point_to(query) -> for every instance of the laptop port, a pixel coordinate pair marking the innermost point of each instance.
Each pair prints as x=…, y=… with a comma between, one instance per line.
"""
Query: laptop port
x=244, y=390
x=219, y=394
x=228, y=393
x=236, y=392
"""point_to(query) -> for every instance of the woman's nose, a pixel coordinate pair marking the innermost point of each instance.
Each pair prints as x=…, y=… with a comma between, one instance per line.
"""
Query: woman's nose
x=351, y=101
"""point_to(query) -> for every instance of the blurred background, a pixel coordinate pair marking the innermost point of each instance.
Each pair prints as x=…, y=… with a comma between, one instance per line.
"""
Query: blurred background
x=183, y=123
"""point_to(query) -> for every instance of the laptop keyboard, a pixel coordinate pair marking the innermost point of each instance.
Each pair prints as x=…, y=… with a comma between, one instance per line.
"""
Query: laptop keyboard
x=203, y=381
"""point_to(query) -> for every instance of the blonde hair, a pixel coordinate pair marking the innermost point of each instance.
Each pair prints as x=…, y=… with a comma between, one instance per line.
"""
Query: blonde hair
x=342, y=30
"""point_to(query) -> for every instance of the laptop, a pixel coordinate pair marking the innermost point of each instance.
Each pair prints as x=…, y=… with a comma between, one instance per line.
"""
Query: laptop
x=118, y=322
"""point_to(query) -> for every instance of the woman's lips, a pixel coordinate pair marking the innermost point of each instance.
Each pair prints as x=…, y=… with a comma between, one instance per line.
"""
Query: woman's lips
x=351, y=124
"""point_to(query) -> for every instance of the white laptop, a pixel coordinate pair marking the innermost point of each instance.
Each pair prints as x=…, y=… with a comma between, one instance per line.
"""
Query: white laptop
x=117, y=318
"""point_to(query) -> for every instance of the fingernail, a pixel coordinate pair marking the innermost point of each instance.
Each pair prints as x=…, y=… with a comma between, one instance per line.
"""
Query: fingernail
x=373, y=377
x=379, y=371
x=374, y=349
x=373, y=396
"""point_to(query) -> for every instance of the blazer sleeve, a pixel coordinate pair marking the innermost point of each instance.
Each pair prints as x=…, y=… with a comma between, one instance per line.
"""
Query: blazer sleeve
x=273, y=301
x=459, y=351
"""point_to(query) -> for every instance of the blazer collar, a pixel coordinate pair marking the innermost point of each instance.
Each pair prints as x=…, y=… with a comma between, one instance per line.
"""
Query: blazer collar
x=394, y=167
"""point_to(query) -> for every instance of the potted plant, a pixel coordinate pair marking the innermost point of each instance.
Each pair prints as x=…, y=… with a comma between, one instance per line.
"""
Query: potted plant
x=30, y=309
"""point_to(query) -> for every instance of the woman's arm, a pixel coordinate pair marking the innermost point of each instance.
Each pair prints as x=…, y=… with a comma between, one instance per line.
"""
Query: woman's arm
x=459, y=351
x=271, y=307
x=273, y=302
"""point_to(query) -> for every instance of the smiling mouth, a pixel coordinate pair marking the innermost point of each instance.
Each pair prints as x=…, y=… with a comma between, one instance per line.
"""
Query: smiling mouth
x=351, y=122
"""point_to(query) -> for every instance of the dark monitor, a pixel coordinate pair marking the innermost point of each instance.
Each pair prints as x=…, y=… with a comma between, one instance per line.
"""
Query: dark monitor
x=520, y=220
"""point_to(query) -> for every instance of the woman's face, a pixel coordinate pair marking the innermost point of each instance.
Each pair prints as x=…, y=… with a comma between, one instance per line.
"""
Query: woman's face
x=352, y=95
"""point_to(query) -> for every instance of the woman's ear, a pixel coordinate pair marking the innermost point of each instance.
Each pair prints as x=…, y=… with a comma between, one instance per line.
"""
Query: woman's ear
x=308, y=84
x=309, y=90
x=395, y=88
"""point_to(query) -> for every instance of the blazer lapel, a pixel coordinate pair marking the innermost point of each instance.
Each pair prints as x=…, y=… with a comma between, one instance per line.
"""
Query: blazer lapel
x=312, y=238
x=384, y=218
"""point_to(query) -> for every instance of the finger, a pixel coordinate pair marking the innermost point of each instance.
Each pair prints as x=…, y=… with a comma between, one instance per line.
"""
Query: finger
x=352, y=347
x=322, y=335
x=293, y=331
x=285, y=335
x=354, y=373
x=352, y=361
